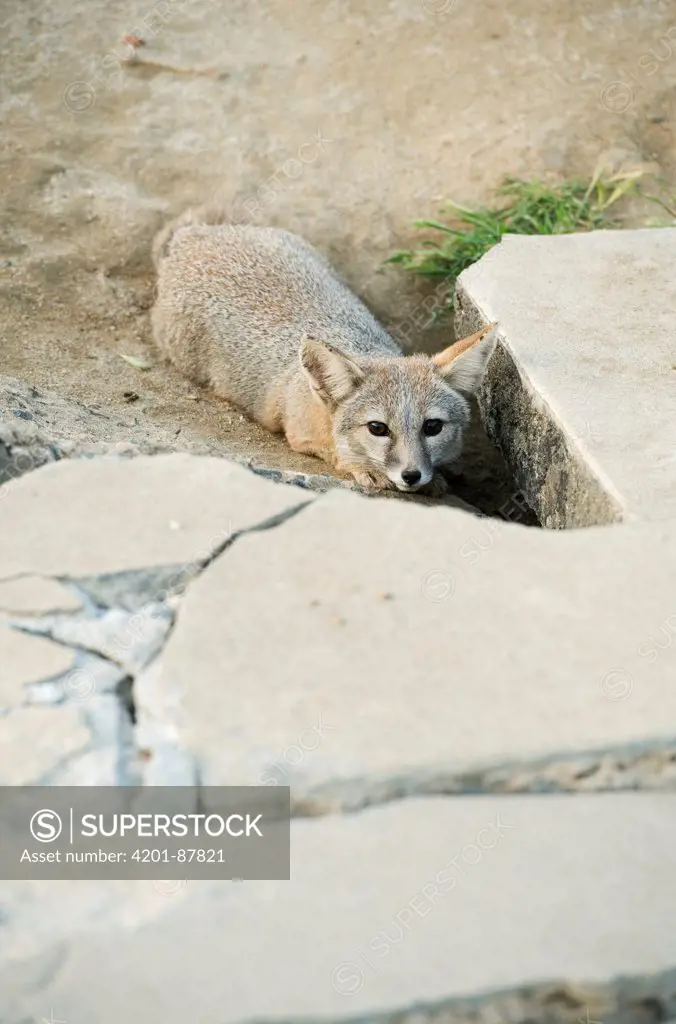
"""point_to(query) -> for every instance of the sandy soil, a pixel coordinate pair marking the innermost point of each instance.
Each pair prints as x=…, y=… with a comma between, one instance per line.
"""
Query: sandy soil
x=341, y=120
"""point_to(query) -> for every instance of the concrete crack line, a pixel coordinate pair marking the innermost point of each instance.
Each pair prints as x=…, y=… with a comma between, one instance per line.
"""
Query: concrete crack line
x=122, y=629
x=643, y=766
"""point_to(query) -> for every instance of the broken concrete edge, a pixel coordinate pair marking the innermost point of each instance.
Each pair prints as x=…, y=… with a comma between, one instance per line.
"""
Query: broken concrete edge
x=16, y=459
x=101, y=688
x=611, y=769
x=36, y=595
x=133, y=589
x=129, y=589
x=560, y=481
x=617, y=1001
x=20, y=456
x=93, y=740
x=113, y=589
x=65, y=745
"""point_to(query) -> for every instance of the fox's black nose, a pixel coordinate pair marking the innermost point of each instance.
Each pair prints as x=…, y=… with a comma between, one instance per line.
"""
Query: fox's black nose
x=411, y=476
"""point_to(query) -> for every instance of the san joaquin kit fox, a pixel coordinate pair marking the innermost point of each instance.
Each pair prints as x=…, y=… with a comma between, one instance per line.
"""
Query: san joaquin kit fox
x=260, y=316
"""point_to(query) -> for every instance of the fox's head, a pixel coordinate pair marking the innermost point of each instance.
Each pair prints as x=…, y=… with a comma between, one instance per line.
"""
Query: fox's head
x=399, y=418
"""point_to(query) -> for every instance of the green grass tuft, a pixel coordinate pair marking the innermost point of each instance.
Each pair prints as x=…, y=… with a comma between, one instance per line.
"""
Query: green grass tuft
x=527, y=208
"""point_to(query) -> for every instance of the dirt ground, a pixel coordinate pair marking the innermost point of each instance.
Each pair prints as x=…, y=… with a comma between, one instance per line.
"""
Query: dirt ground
x=343, y=120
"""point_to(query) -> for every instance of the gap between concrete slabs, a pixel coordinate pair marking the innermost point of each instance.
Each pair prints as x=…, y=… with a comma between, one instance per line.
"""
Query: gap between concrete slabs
x=581, y=396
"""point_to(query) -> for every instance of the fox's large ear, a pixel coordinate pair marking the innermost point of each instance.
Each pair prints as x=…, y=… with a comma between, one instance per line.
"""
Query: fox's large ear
x=333, y=376
x=462, y=364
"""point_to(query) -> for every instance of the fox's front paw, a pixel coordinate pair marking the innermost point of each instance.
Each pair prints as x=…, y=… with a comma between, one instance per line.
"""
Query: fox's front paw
x=364, y=478
x=438, y=487
x=368, y=481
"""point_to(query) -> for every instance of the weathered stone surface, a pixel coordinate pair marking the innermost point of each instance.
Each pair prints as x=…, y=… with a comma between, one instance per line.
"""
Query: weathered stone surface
x=86, y=676
x=108, y=514
x=37, y=916
x=27, y=659
x=35, y=741
x=582, y=396
x=128, y=639
x=110, y=757
x=483, y=894
x=133, y=590
x=365, y=650
x=65, y=713
x=73, y=730
x=35, y=595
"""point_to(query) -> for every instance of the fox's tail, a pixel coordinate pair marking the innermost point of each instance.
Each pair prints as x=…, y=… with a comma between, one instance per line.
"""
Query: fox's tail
x=207, y=214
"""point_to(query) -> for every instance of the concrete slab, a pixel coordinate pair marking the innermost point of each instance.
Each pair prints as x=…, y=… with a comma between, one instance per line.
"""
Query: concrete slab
x=108, y=515
x=34, y=595
x=359, y=652
x=582, y=395
x=484, y=893
x=27, y=659
x=125, y=639
x=35, y=741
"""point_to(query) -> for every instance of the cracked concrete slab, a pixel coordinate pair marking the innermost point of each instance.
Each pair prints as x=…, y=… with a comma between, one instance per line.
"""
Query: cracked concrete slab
x=106, y=516
x=581, y=397
x=112, y=514
x=88, y=675
x=24, y=660
x=64, y=713
x=73, y=730
x=36, y=740
x=134, y=589
x=38, y=916
x=35, y=595
x=130, y=640
x=472, y=902
x=360, y=657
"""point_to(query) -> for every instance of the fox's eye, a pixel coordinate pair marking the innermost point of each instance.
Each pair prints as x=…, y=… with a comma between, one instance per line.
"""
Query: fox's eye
x=432, y=427
x=378, y=429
